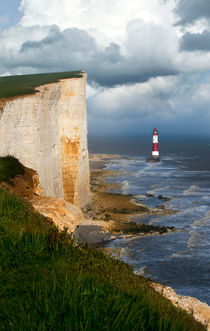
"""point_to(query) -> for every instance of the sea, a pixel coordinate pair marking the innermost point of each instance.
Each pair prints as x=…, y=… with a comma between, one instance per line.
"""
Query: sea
x=179, y=259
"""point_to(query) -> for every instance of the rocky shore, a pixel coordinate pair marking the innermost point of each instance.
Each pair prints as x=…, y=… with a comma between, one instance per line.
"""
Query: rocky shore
x=199, y=310
x=112, y=213
x=110, y=210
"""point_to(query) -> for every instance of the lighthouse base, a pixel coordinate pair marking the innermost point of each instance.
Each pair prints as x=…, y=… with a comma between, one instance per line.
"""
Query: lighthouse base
x=154, y=159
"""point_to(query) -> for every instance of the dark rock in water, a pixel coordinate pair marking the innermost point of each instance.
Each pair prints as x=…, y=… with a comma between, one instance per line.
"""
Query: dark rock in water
x=162, y=206
x=153, y=159
x=149, y=195
x=92, y=235
x=161, y=197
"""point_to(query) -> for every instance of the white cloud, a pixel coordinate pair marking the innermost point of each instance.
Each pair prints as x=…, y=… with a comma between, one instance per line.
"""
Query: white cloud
x=12, y=39
x=50, y=49
x=106, y=20
x=131, y=47
x=192, y=62
x=146, y=42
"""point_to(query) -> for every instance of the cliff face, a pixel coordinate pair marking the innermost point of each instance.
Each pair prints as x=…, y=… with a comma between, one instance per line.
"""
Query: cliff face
x=47, y=132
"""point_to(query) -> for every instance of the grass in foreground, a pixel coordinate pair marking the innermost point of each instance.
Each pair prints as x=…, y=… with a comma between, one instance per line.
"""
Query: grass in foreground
x=47, y=283
x=25, y=84
x=9, y=168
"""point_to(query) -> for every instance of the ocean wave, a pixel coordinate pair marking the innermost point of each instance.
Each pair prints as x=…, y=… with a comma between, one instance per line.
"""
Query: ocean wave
x=206, y=197
x=141, y=271
x=195, y=239
x=185, y=253
x=145, y=169
x=191, y=211
x=125, y=186
x=203, y=221
x=158, y=189
x=192, y=190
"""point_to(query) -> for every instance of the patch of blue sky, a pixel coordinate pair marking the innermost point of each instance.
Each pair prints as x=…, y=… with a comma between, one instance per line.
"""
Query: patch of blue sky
x=9, y=13
x=204, y=77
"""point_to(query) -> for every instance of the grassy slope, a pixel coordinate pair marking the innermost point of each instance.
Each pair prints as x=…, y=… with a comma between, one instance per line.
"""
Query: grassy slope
x=48, y=283
x=25, y=84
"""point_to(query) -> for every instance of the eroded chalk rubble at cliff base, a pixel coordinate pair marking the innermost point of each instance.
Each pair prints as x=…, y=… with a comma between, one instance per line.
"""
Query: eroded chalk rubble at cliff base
x=199, y=310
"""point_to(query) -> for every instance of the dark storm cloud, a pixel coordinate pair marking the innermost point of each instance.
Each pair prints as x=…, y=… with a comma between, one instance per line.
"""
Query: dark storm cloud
x=54, y=35
x=178, y=104
x=190, y=11
x=195, y=42
x=73, y=39
x=75, y=49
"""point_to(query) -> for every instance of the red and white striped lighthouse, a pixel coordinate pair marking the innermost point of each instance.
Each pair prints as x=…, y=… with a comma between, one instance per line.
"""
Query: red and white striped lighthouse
x=155, y=151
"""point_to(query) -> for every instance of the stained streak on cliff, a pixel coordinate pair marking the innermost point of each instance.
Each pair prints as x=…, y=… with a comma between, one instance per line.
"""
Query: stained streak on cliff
x=70, y=151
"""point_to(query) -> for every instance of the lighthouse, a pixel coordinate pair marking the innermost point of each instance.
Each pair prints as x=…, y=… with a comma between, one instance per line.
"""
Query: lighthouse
x=155, y=151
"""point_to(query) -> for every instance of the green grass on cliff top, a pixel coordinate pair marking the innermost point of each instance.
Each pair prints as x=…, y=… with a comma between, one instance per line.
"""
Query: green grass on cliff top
x=25, y=84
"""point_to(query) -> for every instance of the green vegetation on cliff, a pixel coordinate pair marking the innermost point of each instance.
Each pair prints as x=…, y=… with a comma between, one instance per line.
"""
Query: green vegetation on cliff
x=135, y=228
x=25, y=84
x=9, y=168
x=48, y=283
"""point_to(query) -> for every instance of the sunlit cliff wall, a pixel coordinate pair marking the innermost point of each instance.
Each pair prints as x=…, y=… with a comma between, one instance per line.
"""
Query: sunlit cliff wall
x=47, y=132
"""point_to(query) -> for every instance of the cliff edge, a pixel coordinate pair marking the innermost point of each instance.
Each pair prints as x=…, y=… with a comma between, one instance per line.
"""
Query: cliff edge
x=47, y=132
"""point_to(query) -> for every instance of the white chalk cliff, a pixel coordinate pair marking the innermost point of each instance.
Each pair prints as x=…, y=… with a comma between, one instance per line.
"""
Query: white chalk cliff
x=47, y=132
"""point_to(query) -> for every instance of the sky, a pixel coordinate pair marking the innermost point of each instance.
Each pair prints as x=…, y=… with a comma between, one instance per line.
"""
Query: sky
x=148, y=61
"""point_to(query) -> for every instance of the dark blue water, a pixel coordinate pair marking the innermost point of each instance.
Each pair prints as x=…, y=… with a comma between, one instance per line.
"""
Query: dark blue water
x=180, y=259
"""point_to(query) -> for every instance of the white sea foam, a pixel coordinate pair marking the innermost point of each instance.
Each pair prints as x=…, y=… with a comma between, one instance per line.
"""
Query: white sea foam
x=206, y=197
x=125, y=251
x=192, y=210
x=141, y=271
x=194, y=239
x=158, y=189
x=154, y=220
x=139, y=196
x=145, y=169
x=192, y=190
x=152, y=192
x=179, y=254
x=166, y=174
x=166, y=158
x=203, y=220
x=125, y=186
